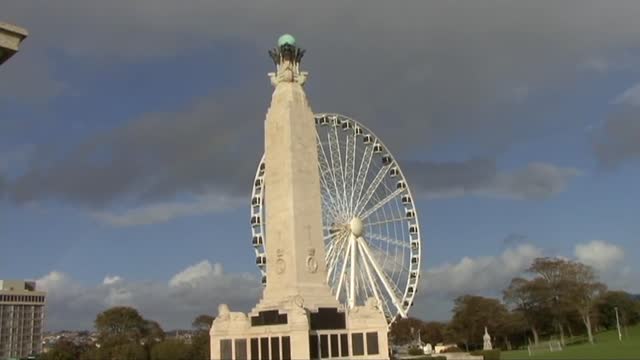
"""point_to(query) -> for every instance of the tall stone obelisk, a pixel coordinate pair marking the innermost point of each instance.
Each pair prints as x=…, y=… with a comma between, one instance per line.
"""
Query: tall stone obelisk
x=293, y=208
x=297, y=317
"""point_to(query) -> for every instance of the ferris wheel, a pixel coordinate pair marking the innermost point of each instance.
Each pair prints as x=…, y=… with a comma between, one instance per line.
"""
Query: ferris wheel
x=371, y=231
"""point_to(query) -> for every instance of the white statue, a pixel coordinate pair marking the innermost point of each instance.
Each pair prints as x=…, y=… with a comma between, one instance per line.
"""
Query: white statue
x=487, y=340
x=428, y=349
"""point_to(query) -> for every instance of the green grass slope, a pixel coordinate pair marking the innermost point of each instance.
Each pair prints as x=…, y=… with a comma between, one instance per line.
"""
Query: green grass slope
x=607, y=347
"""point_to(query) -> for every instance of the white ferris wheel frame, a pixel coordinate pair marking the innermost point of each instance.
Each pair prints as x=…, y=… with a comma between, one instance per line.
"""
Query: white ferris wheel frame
x=356, y=258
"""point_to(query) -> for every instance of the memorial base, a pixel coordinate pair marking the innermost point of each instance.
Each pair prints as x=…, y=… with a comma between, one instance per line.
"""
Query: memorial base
x=294, y=332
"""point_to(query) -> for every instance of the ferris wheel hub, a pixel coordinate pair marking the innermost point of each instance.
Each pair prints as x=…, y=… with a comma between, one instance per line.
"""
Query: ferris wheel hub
x=356, y=226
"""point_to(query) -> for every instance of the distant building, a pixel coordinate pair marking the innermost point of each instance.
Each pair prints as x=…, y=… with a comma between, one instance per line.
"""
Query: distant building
x=21, y=318
x=10, y=38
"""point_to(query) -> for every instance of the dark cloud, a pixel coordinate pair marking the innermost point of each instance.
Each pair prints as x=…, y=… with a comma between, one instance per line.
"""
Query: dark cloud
x=482, y=177
x=619, y=139
x=423, y=75
x=213, y=145
x=29, y=79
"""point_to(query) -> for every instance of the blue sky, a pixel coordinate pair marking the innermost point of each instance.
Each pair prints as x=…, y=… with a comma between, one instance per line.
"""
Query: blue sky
x=130, y=131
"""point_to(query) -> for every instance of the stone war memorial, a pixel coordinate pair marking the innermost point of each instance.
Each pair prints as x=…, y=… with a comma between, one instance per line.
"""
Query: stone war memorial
x=332, y=286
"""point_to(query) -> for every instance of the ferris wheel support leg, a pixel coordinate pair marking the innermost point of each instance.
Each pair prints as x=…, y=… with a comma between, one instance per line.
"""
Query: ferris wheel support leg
x=374, y=285
x=344, y=269
x=352, y=273
x=335, y=255
x=382, y=277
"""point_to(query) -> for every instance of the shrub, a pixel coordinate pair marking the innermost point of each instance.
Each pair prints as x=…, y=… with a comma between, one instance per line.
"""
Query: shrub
x=488, y=354
x=415, y=351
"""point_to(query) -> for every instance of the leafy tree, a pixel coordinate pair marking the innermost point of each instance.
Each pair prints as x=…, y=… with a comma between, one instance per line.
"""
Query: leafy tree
x=404, y=331
x=511, y=325
x=200, y=346
x=203, y=322
x=130, y=351
x=471, y=314
x=152, y=332
x=63, y=350
x=552, y=273
x=433, y=332
x=120, y=325
x=171, y=350
x=528, y=297
x=582, y=289
x=124, y=334
x=628, y=309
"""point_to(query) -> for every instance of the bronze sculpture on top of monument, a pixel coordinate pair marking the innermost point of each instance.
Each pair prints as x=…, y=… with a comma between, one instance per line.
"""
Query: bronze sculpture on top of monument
x=316, y=257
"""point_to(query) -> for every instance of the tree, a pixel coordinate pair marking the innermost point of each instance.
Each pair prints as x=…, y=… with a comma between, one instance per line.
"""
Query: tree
x=552, y=272
x=528, y=297
x=130, y=351
x=433, y=332
x=63, y=349
x=582, y=289
x=171, y=350
x=119, y=325
x=628, y=310
x=471, y=314
x=404, y=331
x=203, y=322
x=200, y=346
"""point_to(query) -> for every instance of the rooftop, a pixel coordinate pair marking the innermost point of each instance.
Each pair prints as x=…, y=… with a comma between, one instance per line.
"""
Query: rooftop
x=10, y=38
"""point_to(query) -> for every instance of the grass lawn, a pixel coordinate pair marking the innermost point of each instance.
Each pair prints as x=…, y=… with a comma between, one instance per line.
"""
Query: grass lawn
x=607, y=347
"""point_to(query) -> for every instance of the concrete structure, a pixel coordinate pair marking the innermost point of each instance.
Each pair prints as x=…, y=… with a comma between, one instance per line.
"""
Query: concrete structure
x=10, y=38
x=297, y=317
x=21, y=318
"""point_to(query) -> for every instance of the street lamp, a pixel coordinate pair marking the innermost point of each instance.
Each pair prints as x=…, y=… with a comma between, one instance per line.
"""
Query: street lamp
x=10, y=38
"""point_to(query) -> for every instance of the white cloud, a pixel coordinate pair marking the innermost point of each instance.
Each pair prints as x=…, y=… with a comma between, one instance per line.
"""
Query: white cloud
x=166, y=211
x=198, y=289
x=630, y=96
x=599, y=254
x=485, y=274
x=109, y=280
x=196, y=273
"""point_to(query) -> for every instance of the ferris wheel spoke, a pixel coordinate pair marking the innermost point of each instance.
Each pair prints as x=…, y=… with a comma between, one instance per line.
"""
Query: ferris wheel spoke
x=387, y=221
x=363, y=170
x=391, y=260
x=325, y=192
x=380, y=204
x=350, y=163
x=327, y=178
x=383, y=278
x=364, y=285
x=389, y=240
x=334, y=260
x=362, y=202
x=335, y=247
x=336, y=166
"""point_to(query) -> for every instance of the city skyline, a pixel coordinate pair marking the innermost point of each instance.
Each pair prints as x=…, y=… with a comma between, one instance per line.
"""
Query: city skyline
x=127, y=150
